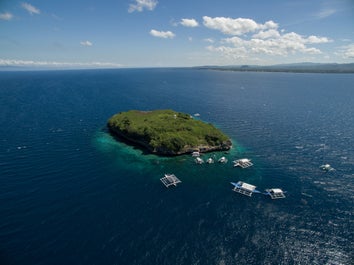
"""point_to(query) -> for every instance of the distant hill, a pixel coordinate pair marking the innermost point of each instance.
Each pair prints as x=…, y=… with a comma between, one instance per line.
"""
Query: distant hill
x=294, y=68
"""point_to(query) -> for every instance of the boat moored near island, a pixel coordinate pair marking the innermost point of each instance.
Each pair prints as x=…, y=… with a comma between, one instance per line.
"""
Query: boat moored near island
x=244, y=163
x=210, y=160
x=195, y=154
x=170, y=179
x=223, y=160
x=198, y=160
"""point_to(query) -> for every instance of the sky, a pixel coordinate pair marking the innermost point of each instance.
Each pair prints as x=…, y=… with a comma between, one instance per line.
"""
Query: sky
x=171, y=33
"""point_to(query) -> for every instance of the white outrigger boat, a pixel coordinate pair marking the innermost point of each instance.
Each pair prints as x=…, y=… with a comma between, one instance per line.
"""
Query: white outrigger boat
x=275, y=193
x=244, y=163
x=244, y=188
x=195, y=154
x=170, y=179
x=210, y=160
x=198, y=160
x=326, y=167
x=223, y=160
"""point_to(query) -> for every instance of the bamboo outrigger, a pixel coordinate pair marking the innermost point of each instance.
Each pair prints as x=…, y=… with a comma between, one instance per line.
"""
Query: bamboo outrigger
x=275, y=193
x=170, y=179
x=223, y=160
x=244, y=163
x=244, y=188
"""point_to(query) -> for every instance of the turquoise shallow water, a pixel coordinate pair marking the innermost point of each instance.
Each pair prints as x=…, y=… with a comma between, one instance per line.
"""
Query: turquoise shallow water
x=71, y=194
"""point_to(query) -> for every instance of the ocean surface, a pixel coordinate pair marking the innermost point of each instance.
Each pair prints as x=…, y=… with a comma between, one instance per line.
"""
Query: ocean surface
x=71, y=194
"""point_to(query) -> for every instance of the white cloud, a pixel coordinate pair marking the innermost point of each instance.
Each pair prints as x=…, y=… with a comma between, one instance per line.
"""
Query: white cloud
x=53, y=64
x=30, y=8
x=189, y=22
x=282, y=45
x=272, y=33
x=270, y=25
x=140, y=5
x=6, y=16
x=324, y=13
x=251, y=40
x=162, y=34
x=210, y=40
x=347, y=52
x=238, y=26
x=315, y=39
x=230, y=52
x=86, y=43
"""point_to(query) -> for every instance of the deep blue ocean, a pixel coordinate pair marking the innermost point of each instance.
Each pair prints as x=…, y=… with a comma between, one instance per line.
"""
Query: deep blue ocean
x=71, y=194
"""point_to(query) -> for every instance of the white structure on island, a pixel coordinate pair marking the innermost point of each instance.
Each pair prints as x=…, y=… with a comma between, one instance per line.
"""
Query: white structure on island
x=244, y=163
x=170, y=179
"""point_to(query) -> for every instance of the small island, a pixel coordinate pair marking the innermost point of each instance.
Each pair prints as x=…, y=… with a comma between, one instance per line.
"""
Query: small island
x=167, y=132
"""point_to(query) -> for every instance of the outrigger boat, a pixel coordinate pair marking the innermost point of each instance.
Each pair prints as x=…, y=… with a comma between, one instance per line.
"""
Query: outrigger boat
x=198, y=160
x=210, y=160
x=326, y=167
x=223, y=160
x=275, y=193
x=195, y=154
x=244, y=188
x=244, y=163
x=170, y=179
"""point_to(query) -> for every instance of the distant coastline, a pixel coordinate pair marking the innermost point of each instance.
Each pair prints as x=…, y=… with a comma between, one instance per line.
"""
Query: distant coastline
x=331, y=68
x=292, y=68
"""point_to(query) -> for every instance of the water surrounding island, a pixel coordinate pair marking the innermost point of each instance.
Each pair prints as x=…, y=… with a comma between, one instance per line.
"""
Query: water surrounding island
x=70, y=194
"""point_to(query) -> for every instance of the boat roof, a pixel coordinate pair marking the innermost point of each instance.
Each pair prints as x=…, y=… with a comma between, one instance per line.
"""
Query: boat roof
x=248, y=186
x=170, y=179
x=277, y=190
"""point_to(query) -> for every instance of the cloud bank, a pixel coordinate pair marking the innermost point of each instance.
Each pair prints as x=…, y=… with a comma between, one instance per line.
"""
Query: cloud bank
x=53, y=64
x=162, y=34
x=140, y=5
x=236, y=26
x=250, y=39
x=347, y=52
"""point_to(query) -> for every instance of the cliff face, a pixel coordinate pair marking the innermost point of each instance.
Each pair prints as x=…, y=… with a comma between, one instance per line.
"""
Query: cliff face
x=168, y=133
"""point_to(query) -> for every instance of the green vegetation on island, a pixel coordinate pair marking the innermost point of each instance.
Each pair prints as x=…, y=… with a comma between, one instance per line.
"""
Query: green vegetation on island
x=167, y=132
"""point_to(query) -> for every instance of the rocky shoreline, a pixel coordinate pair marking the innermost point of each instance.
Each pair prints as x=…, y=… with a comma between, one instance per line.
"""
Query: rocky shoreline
x=133, y=139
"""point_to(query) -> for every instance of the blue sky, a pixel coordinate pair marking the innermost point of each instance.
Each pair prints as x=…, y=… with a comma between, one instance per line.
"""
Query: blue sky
x=151, y=33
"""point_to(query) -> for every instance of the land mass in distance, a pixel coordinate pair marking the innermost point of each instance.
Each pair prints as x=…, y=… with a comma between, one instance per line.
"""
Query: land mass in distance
x=167, y=132
x=293, y=68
